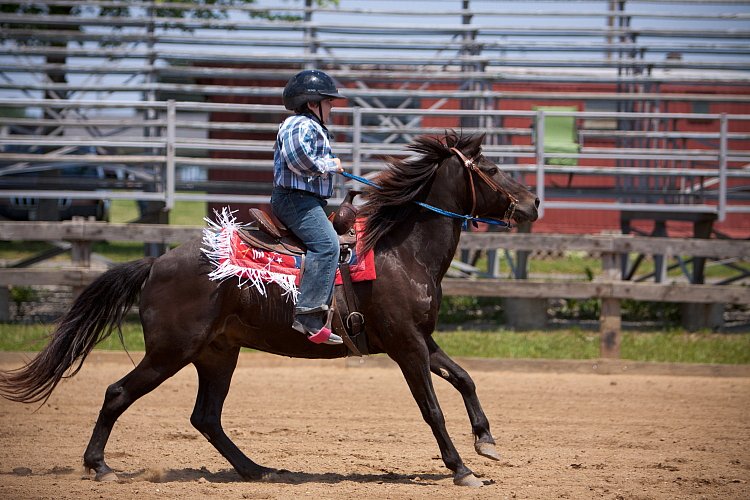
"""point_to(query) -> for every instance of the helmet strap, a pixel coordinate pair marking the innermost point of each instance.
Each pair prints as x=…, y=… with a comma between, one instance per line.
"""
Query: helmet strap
x=320, y=113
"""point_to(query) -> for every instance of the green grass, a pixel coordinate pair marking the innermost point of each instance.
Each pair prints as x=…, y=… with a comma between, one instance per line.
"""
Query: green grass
x=673, y=346
x=682, y=347
x=184, y=213
x=32, y=337
x=571, y=263
x=509, y=344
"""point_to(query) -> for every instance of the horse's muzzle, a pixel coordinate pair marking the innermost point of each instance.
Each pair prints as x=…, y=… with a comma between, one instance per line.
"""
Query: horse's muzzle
x=526, y=211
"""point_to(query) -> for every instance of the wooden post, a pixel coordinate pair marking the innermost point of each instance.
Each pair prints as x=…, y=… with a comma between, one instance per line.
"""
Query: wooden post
x=708, y=315
x=4, y=304
x=80, y=254
x=522, y=313
x=610, y=321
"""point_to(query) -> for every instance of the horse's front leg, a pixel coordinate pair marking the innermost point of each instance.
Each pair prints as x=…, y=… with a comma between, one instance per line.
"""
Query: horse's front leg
x=445, y=367
x=415, y=365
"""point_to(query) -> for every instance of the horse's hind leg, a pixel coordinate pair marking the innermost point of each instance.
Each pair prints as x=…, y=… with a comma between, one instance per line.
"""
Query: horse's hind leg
x=144, y=378
x=445, y=367
x=215, y=366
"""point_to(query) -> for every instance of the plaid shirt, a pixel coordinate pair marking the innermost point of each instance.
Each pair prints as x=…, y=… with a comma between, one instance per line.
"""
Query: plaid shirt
x=302, y=157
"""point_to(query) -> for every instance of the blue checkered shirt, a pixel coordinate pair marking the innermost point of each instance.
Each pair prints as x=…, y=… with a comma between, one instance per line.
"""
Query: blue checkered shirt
x=302, y=157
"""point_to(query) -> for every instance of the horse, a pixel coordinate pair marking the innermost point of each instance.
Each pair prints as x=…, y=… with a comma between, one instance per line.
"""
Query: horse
x=189, y=319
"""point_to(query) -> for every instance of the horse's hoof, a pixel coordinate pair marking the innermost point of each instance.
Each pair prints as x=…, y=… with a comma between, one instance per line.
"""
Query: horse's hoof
x=106, y=477
x=271, y=475
x=469, y=480
x=487, y=450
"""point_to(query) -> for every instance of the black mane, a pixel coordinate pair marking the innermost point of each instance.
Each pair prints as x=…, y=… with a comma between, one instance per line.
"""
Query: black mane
x=404, y=180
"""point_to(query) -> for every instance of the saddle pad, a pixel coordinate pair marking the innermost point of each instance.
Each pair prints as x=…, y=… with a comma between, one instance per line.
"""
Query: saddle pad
x=230, y=256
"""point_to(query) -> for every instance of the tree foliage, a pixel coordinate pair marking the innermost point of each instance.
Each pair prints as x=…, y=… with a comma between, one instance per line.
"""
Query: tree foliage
x=173, y=10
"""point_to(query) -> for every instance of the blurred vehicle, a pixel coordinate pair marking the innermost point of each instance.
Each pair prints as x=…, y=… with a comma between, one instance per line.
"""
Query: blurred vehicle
x=69, y=176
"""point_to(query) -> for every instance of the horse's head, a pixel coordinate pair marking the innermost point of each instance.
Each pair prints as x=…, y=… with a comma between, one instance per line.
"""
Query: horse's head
x=478, y=186
x=449, y=173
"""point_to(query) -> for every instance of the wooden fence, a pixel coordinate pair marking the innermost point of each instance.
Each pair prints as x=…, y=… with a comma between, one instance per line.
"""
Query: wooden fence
x=608, y=287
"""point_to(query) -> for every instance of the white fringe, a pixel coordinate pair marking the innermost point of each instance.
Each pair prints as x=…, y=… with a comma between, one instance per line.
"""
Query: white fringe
x=217, y=241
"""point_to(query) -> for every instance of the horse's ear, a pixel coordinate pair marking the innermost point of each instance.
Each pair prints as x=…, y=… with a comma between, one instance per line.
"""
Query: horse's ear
x=476, y=143
x=452, y=138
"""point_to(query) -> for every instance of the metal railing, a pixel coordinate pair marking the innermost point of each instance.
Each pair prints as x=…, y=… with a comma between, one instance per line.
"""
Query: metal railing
x=706, y=172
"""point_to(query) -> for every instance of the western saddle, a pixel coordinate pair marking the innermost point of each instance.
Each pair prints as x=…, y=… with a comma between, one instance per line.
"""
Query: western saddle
x=267, y=234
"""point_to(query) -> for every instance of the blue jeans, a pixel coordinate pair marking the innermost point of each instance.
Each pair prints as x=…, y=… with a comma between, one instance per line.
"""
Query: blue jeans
x=303, y=214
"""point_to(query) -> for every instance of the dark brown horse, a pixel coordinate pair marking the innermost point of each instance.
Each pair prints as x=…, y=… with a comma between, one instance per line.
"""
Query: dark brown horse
x=188, y=318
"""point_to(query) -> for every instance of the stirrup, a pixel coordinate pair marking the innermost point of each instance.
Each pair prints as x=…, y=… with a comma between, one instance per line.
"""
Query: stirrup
x=322, y=336
x=325, y=336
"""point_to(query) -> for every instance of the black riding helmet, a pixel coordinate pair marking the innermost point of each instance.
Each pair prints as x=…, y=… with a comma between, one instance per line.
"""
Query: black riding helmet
x=310, y=85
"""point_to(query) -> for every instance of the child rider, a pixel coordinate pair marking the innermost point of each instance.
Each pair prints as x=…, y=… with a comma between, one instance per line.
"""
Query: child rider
x=304, y=167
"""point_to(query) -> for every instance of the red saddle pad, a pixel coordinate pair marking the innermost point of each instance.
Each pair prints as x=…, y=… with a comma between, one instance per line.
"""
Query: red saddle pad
x=255, y=267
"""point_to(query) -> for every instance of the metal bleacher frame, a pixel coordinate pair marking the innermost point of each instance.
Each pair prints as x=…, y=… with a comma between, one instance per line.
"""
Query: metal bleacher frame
x=131, y=86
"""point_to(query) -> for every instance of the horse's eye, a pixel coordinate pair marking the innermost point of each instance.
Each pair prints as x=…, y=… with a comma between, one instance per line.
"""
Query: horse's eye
x=492, y=170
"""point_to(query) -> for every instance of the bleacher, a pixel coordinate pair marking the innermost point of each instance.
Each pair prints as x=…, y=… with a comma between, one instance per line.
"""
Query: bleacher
x=614, y=110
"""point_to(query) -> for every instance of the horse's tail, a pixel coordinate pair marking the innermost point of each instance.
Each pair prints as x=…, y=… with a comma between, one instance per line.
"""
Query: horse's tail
x=95, y=313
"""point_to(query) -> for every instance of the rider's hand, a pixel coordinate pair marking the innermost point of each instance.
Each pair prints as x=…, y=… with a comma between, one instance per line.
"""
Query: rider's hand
x=339, y=168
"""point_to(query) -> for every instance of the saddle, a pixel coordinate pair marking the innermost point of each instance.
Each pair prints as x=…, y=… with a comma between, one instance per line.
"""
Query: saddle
x=267, y=234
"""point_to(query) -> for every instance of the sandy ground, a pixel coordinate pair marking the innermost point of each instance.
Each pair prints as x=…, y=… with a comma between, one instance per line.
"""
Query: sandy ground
x=353, y=431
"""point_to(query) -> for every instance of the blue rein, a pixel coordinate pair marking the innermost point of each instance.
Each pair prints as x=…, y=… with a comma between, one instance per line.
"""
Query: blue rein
x=465, y=218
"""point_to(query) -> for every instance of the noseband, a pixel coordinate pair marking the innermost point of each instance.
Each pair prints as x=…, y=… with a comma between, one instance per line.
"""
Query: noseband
x=472, y=167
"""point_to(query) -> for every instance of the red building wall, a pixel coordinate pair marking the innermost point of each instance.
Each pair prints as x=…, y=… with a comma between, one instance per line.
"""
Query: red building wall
x=595, y=221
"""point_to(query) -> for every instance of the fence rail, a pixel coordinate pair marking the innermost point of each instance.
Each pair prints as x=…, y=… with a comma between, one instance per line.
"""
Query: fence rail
x=609, y=288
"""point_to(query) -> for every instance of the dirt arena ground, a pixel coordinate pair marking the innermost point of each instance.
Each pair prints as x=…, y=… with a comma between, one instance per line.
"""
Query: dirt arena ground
x=347, y=430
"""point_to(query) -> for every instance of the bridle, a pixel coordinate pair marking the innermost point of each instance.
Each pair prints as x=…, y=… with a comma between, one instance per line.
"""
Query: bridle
x=472, y=167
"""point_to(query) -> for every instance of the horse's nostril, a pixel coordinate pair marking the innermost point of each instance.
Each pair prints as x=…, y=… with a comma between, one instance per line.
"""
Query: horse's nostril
x=536, y=203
